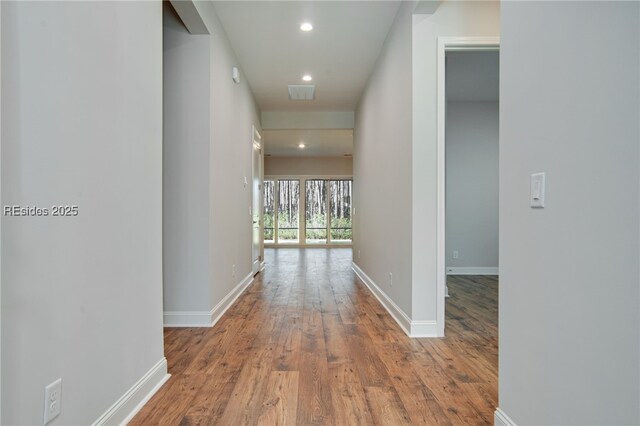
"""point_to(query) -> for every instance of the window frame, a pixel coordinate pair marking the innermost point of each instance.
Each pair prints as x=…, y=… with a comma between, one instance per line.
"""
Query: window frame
x=302, y=223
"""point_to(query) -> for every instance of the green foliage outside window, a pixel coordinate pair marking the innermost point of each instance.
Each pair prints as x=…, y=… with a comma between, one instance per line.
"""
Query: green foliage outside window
x=320, y=195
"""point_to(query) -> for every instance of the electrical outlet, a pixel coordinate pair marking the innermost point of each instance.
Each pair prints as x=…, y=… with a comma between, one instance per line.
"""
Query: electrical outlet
x=390, y=279
x=359, y=254
x=455, y=254
x=52, y=401
x=233, y=270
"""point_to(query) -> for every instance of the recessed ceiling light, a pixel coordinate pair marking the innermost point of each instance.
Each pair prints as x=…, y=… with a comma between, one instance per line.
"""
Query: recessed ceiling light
x=307, y=77
x=301, y=145
x=306, y=26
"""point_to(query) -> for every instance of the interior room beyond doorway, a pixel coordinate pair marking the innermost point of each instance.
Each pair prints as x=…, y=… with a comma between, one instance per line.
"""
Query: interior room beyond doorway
x=308, y=188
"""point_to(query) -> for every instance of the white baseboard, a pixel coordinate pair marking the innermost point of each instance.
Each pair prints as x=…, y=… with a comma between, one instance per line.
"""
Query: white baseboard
x=206, y=318
x=424, y=329
x=188, y=318
x=128, y=405
x=394, y=310
x=500, y=418
x=411, y=328
x=471, y=270
x=314, y=246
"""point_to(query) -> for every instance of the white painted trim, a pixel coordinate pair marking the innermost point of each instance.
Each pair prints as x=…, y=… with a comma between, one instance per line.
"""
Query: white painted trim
x=472, y=270
x=394, y=310
x=424, y=329
x=411, y=328
x=188, y=319
x=447, y=44
x=128, y=405
x=308, y=177
x=500, y=418
x=262, y=265
x=206, y=318
x=256, y=198
x=296, y=245
x=229, y=299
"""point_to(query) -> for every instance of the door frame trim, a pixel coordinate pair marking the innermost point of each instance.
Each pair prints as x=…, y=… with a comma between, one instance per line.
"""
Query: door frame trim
x=447, y=44
x=256, y=142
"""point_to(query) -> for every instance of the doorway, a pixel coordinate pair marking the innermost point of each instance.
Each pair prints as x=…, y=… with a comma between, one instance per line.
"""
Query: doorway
x=256, y=201
x=467, y=163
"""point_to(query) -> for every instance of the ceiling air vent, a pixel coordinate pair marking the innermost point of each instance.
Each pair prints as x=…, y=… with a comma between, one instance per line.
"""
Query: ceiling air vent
x=302, y=92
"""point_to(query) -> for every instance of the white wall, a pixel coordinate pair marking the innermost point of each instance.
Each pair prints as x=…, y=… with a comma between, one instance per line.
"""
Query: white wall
x=0, y=219
x=233, y=112
x=569, y=291
x=453, y=18
x=395, y=155
x=472, y=184
x=307, y=119
x=82, y=124
x=382, y=167
x=210, y=140
x=186, y=142
x=316, y=166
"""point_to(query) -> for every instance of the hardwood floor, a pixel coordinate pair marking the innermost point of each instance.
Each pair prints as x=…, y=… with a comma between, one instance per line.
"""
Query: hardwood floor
x=309, y=344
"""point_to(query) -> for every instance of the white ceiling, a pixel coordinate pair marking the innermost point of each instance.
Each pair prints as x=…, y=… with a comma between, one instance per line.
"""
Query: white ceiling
x=339, y=52
x=318, y=143
x=473, y=76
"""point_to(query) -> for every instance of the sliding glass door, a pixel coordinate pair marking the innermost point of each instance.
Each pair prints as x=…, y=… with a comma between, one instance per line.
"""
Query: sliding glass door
x=269, y=213
x=281, y=211
x=340, y=209
x=316, y=211
x=325, y=212
x=288, y=211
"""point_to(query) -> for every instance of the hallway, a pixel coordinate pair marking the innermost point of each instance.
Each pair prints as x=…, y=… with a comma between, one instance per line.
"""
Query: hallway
x=307, y=343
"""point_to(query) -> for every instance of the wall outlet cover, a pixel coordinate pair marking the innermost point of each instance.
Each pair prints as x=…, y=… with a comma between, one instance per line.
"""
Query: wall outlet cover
x=52, y=401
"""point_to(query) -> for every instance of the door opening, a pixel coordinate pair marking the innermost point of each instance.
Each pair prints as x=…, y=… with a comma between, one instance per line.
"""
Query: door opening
x=256, y=201
x=467, y=161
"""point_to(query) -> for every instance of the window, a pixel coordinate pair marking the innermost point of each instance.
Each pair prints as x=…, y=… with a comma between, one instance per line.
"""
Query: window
x=288, y=211
x=340, y=210
x=326, y=211
x=269, y=211
x=316, y=211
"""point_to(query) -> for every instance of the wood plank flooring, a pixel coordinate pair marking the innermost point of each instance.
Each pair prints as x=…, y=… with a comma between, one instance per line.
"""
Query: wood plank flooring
x=309, y=344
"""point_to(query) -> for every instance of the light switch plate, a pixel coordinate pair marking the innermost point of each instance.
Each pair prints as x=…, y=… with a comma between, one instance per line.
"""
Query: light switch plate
x=537, y=190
